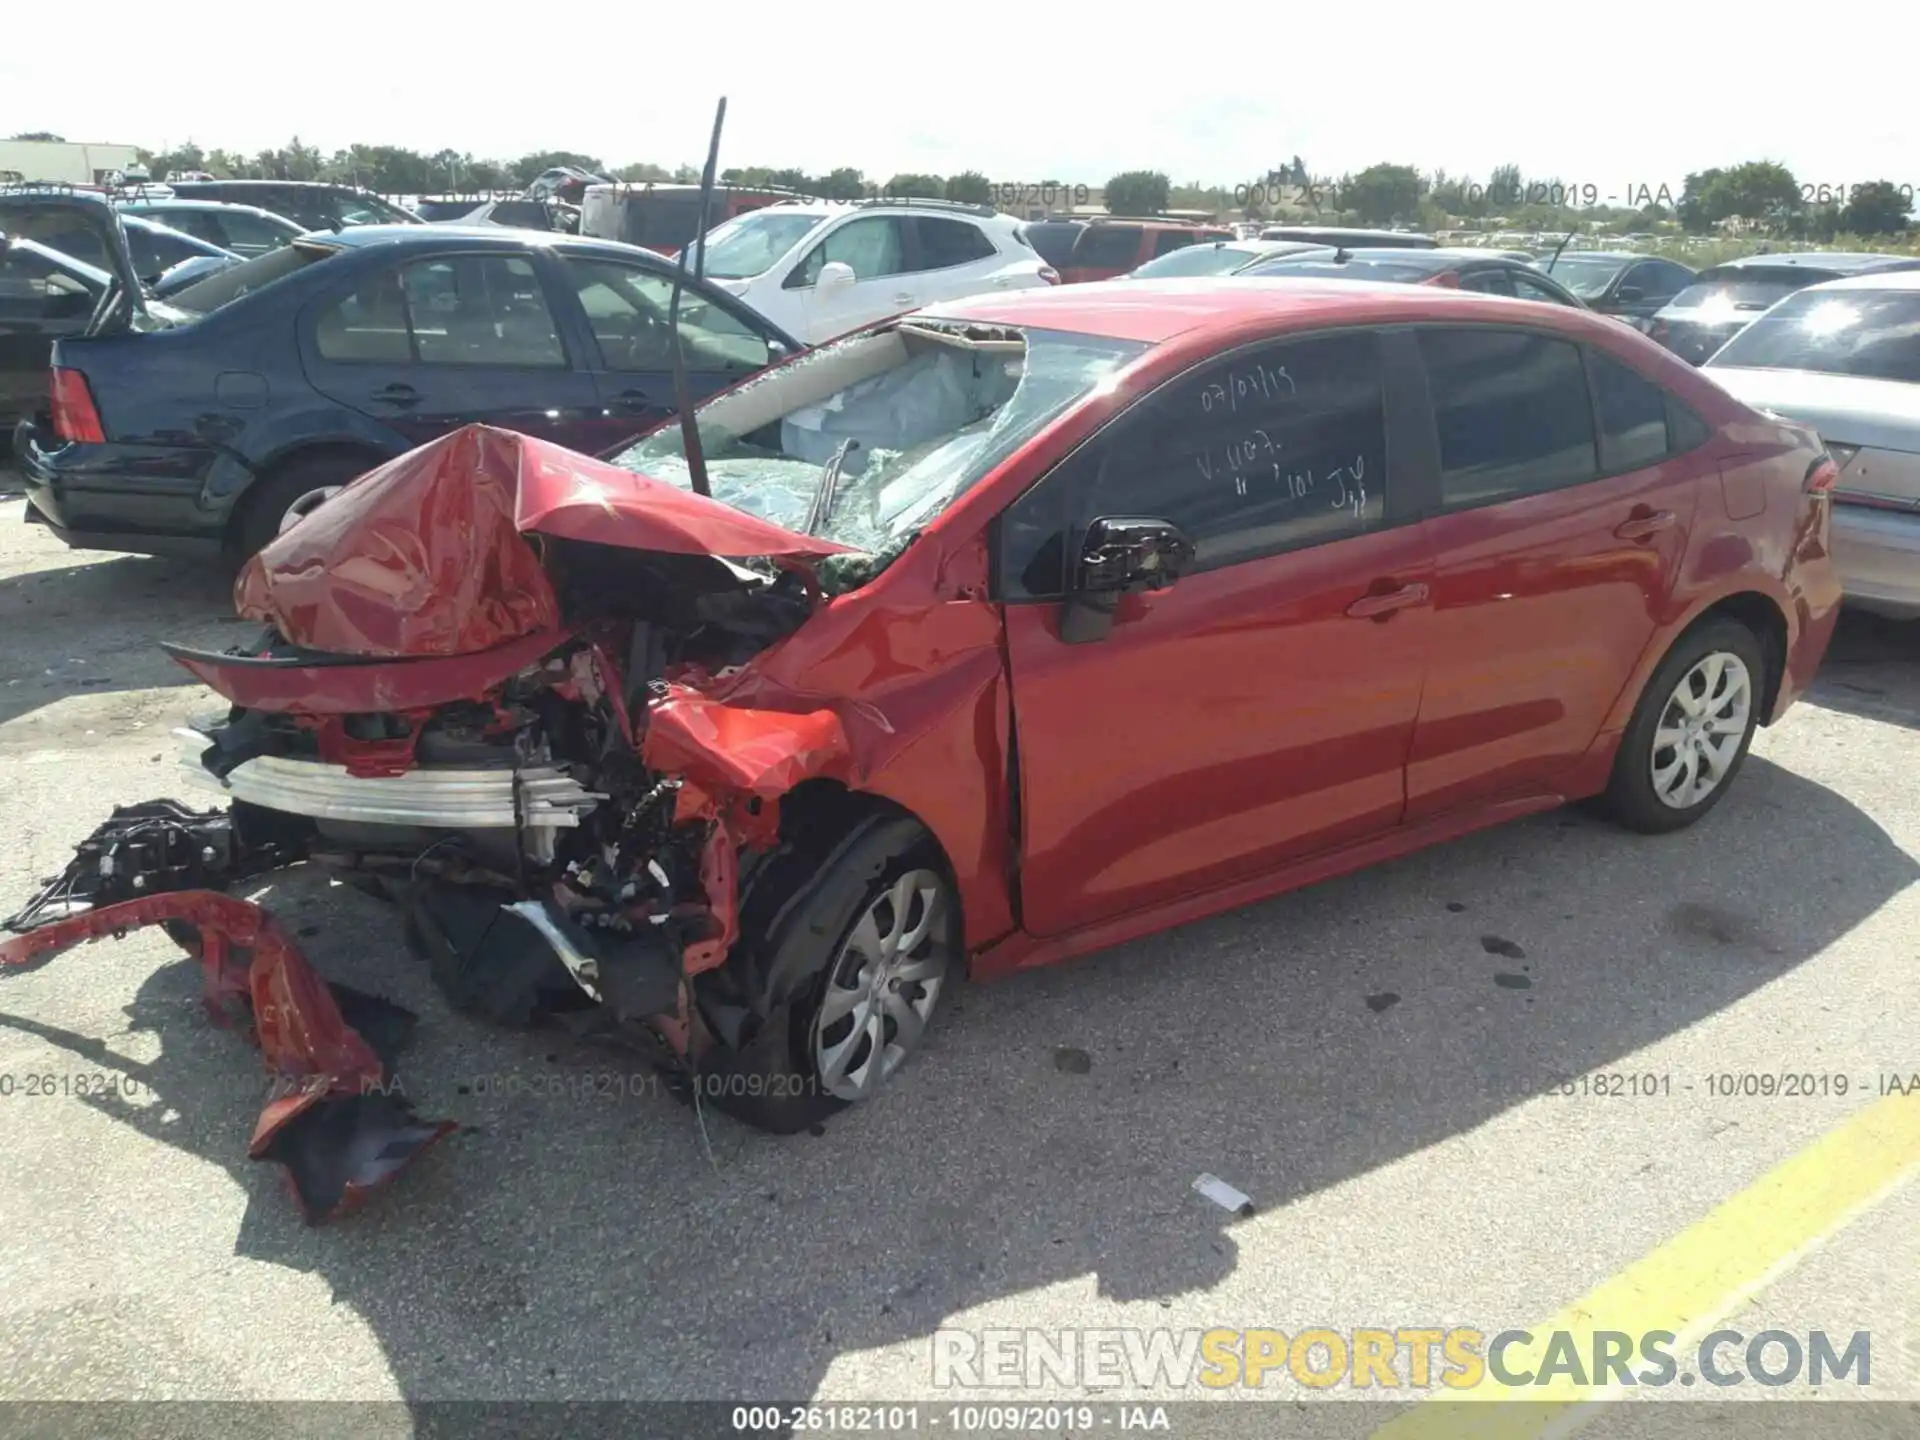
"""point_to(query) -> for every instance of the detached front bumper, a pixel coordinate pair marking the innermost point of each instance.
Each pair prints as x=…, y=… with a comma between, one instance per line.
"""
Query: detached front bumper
x=333, y=1119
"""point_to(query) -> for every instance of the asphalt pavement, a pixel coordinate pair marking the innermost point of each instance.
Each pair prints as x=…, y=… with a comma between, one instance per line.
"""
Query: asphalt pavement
x=1376, y=1062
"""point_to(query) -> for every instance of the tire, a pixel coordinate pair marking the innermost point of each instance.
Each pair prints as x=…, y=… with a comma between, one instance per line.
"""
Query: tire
x=805, y=1062
x=1656, y=786
x=297, y=482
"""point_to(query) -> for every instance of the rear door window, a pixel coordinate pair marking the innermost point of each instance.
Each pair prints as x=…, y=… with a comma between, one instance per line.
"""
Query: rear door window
x=451, y=310
x=945, y=243
x=1512, y=413
x=1107, y=247
x=1168, y=241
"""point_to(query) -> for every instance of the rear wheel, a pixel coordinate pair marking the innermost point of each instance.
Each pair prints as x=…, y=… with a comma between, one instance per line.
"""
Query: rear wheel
x=290, y=493
x=1690, y=732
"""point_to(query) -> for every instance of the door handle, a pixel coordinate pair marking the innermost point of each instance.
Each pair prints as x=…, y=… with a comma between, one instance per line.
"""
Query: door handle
x=403, y=396
x=632, y=402
x=1644, y=524
x=1381, y=606
x=907, y=299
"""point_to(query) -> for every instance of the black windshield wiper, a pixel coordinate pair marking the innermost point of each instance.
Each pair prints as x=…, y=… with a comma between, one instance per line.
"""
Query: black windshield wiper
x=821, y=506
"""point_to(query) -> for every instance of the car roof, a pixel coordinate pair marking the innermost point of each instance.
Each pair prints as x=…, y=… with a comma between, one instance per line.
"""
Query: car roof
x=1883, y=280
x=1155, y=311
x=362, y=237
x=1836, y=260
x=185, y=187
x=1608, y=255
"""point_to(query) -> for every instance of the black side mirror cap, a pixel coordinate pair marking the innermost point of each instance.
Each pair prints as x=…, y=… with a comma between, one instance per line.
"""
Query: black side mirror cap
x=1120, y=555
x=1125, y=553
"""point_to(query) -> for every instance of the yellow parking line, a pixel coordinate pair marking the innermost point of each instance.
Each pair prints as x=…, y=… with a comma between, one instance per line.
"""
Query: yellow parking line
x=1695, y=1279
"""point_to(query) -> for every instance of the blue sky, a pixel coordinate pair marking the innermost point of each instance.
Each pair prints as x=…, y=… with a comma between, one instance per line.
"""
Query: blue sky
x=1616, y=95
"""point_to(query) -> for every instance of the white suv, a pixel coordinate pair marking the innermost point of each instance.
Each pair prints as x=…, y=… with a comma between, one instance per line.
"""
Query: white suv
x=819, y=268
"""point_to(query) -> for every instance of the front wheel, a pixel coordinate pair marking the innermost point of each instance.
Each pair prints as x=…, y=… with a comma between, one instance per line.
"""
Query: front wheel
x=869, y=947
x=1690, y=732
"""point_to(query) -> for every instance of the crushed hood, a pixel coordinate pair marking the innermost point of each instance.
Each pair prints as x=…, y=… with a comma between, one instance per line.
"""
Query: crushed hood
x=428, y=554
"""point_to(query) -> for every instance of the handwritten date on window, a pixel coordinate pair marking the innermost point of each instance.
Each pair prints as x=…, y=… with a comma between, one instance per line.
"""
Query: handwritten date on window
x=1255, y=460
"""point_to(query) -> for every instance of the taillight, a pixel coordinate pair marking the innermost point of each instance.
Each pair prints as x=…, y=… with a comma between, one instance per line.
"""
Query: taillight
x=1822, y=476
x=74, y=415
x=1050, y=275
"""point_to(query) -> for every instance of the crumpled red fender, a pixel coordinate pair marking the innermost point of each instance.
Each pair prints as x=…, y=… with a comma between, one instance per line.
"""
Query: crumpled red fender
x=335, y=1121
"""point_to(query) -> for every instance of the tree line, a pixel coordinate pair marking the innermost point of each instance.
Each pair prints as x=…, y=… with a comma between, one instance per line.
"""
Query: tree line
x=1763, y=193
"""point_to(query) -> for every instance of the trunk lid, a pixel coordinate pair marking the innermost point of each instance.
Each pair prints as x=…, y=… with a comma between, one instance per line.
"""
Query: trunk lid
x=41, y=212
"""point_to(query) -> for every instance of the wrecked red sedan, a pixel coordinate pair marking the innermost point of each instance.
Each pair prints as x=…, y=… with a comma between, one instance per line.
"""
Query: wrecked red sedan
x=1011, y=629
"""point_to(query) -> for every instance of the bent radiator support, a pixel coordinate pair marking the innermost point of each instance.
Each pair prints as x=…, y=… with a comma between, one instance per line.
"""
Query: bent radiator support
x=334, y=1118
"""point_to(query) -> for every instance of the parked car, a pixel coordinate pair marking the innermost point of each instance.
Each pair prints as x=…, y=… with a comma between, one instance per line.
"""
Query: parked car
x=155, y=248
x=517, y=211
x=267, y=386
x=1348, y=239
x=1724, y=299
x=1108, y=247
x=1475, y=270
x=242, y=230
x=45, y=294
x=821, y=268
x=1220, y=257
x=1173, y=507
x=311, y=204
x=1844, y=357
x=666, y=217
x=1629, y=287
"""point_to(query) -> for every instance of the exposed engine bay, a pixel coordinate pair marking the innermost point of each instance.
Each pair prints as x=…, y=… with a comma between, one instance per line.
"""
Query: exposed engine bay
x=501, y=797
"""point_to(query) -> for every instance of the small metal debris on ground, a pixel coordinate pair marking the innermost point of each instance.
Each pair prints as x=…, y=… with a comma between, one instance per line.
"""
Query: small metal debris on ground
x=1224, y=1195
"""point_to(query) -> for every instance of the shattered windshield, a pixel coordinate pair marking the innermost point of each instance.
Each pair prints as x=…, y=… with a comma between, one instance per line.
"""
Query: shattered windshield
x=866, y=440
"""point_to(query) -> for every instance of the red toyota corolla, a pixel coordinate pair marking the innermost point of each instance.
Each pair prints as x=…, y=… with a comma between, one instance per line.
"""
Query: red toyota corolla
x=1014, y=628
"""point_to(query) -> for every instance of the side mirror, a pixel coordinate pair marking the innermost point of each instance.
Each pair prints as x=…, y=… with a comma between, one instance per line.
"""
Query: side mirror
x=1627, y=294
x=1121, y=555
x=834, y=275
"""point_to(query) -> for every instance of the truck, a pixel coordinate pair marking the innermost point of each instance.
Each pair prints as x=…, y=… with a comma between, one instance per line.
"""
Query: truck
x=59, y=162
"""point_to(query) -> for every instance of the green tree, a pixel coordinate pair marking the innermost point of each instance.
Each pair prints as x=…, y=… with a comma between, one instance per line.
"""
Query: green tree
x=1137, y=192
x=1694, y=202
x=46, y=136
x=845, y=183
x=1506, y=190
x=1876, y=208
x=171, y=162
x=970, y=187
x=641, y=172
x=924, y=187
x=1383, y=193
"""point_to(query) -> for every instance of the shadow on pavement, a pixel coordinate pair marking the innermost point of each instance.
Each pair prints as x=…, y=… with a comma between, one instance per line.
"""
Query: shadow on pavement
x=578, y=1242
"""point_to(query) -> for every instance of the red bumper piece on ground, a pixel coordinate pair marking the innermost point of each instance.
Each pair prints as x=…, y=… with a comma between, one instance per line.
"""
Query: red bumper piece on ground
x=336, y=1120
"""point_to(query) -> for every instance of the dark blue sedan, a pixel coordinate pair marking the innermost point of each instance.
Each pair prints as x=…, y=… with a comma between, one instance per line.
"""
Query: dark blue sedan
x=199, y=425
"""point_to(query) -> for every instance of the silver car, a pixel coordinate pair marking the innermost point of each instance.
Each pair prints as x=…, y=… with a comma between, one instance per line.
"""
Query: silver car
x=1844, y=357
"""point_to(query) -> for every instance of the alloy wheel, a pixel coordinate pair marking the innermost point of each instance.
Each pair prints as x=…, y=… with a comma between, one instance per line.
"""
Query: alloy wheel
x=1701, y=729
x=882, y=987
